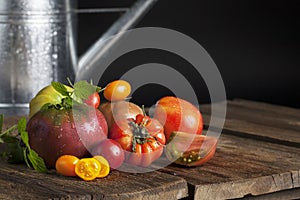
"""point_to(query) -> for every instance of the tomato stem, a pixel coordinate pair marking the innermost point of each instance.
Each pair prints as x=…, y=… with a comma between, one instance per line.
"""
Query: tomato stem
x=143, y=109
x=69, y=81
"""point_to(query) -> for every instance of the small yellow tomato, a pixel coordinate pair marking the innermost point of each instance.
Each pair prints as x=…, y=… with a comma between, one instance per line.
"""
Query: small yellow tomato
x=104, y=166
x=88, y=168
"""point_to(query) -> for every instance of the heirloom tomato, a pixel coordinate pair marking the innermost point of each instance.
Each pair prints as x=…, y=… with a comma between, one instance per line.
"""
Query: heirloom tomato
x=190, y=149
x=65, y=124
x=114, y=111
x=142, y=139
x=53, y=133
x=178, y=115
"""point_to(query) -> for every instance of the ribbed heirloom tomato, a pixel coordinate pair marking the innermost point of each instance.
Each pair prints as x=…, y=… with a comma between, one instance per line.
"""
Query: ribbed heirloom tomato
x=142, y=139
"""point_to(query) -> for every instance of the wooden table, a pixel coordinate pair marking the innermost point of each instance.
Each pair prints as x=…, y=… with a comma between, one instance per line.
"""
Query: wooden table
x=258, y=156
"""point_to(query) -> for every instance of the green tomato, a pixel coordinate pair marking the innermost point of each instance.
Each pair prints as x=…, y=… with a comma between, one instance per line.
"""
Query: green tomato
x=46, y=95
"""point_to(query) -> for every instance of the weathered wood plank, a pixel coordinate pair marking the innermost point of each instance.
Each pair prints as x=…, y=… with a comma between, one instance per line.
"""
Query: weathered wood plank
x=281, y=195
x=276, y=109
x=243, y=166
x=257, y=163
x=264, y=121
x=19, y=182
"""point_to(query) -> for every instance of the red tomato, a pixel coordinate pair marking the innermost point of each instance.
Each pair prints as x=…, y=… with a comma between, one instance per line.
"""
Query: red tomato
x=142, y=139
x=178, y=115
x=93, y=100
x=190, y=149
x=111, y=150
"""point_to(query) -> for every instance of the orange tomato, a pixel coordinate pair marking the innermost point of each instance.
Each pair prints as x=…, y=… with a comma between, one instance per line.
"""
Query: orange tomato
x=65, y=165
x=104, y=166
x=88, y=168
x=117, y=90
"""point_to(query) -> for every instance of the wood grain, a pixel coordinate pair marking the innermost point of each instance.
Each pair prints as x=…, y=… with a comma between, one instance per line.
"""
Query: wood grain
x=18, y=182
x=242, y=166
x=258, y=155
x=260, y=120
x=281, y=195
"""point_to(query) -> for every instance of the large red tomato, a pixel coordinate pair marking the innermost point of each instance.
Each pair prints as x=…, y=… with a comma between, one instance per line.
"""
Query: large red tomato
x=53, y=133
x=178, y=115
x=142, y=139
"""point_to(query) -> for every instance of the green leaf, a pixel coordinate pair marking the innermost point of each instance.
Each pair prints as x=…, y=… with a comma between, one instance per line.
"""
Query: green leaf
x=26, y=158
x=67, y=103
x=77, y=99
x=16, y=153
x=22, y=131
x=83, y=89
x=12, y=152
x=36, y=161
x=22, y=124
x=59, y=87
x=9, y=139
x=25, y=139
x=8, y=131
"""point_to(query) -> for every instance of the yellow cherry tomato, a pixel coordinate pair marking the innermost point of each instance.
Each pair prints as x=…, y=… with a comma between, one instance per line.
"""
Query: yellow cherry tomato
x=104, y=166
x=88, y=168
x=117, y=90
x=65, y=165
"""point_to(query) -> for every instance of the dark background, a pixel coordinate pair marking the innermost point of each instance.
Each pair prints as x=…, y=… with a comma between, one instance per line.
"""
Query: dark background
x=254, y=43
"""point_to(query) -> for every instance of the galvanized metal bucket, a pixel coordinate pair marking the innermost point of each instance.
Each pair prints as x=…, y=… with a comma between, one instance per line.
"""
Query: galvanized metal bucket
x=37, y=46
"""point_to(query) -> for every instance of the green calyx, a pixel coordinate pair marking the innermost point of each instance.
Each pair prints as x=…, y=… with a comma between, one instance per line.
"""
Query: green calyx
x=140, y=134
